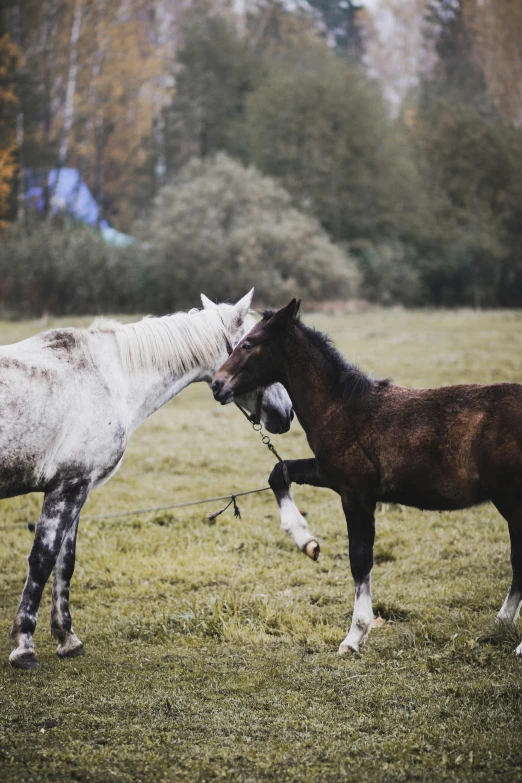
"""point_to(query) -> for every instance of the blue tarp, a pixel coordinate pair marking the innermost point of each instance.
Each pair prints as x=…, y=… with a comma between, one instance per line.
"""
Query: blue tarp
x=70, y=194
x=114, y=237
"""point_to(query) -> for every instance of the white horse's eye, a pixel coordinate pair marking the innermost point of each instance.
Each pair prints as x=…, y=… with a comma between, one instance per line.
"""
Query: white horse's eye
x=193, y=311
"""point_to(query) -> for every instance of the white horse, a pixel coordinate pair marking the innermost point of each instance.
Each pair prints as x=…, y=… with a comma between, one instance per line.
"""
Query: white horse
x=69, y=401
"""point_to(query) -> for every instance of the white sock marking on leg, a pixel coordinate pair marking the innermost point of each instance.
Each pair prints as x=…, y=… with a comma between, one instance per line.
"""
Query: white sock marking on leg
x=293, y=522
x=362, y=618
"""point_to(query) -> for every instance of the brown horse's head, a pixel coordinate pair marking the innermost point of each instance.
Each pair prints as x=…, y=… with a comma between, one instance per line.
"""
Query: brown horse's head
x=255, y=361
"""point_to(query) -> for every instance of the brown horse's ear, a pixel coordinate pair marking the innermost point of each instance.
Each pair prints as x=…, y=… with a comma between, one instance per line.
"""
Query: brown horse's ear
x=286, y=314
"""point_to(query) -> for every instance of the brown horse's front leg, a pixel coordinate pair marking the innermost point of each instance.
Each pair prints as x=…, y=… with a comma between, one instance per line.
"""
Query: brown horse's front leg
x=300, y=471
x=361, y=534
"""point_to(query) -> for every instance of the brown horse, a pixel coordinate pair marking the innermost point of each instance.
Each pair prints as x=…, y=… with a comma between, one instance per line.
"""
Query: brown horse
x=446, y=448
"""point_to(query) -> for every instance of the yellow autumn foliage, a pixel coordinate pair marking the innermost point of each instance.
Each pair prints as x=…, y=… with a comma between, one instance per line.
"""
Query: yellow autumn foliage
x=9, y=62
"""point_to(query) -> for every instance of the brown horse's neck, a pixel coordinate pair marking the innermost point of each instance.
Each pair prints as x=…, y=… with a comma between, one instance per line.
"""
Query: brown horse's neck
x=312, y=377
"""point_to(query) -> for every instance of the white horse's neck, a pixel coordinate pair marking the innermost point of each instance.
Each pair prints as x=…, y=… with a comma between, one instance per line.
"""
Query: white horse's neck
x=150, y=391
x=156, y=358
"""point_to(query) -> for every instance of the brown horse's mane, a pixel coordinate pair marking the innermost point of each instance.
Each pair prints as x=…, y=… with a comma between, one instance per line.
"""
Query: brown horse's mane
x=352, y=383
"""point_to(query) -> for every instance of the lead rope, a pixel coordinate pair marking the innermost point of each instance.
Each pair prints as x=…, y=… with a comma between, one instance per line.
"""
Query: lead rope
x=257, y=427
x=255, y=421
x=270, y=446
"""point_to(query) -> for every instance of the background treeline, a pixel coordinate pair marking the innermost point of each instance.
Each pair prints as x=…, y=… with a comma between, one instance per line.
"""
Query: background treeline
x=322, y=149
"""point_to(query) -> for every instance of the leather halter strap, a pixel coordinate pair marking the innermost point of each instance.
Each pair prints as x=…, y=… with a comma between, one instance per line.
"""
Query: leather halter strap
x=253, y=418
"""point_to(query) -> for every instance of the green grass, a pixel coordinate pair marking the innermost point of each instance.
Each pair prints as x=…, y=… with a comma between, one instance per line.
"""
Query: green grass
x=212, y=649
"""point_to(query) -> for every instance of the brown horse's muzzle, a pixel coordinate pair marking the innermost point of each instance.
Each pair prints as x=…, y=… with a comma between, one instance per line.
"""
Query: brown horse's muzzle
x=221, y=389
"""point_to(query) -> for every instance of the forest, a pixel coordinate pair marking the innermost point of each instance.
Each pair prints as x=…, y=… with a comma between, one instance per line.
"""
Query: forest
x=362, y=152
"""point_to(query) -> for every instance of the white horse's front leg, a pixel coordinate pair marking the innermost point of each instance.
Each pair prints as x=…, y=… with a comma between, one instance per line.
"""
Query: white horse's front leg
x=292, y=521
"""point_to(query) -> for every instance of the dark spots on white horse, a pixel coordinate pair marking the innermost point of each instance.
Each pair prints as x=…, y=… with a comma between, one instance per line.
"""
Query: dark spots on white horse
x=61, y=340
x=60, y=512
x=19, y=474
x=66, y=347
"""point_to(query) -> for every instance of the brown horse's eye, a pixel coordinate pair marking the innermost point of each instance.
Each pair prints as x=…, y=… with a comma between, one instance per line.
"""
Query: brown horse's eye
x=247, y=346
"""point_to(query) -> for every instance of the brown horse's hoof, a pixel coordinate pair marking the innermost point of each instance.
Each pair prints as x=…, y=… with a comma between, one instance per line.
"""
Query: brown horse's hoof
x=312, y=549
x=24, y=660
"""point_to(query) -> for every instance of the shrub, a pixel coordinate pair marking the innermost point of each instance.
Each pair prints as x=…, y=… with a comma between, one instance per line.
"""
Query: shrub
x=67, y=270
x=221, y=228
x=389, y=273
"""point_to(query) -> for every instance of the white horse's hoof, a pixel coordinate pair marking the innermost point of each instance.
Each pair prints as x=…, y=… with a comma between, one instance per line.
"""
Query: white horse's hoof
x=22, y=658
x=312, y=549
x=518, y=651
x=347, y=649
x=70, y=648
x=378, y=622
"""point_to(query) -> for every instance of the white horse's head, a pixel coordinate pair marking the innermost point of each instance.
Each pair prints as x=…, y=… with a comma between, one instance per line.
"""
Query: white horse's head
x=276, y=410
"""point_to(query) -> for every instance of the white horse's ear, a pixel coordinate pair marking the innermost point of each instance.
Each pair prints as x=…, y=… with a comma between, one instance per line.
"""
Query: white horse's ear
x=207, y=303
x=243, y=306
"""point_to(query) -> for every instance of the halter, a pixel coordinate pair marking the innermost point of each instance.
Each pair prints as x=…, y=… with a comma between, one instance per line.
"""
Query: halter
x=253, y=418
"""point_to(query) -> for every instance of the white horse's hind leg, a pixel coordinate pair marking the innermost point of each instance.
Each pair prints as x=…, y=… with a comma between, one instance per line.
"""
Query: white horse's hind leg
x=61, y=626
x=60, y=509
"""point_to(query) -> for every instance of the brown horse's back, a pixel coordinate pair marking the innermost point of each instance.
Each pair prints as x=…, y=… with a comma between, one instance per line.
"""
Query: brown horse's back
x=447, y=448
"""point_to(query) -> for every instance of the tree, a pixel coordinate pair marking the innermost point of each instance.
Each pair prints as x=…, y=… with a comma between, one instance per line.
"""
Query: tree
x=221, y=228
x=467, y=157
x=216, y=69
x=496, y=27
x=397, y=50
x=342, y=24
x=317, y=123
x=9, y=63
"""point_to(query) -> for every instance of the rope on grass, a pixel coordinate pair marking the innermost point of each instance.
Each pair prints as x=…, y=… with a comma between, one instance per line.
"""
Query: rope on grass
x=31, y=526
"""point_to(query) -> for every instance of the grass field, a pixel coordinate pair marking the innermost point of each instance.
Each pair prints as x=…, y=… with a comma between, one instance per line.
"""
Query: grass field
x=212, y=649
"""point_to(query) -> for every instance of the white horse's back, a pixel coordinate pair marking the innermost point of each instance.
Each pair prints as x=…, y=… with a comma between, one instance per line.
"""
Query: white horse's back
x=53, y=406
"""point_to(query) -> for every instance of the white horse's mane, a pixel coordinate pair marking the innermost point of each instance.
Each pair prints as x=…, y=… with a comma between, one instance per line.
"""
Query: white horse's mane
x=179, y=342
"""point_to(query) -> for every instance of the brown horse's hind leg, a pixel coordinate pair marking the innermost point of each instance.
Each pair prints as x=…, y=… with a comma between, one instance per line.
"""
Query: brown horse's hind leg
x=511, y=606
x=361, y=534
x=69, y=645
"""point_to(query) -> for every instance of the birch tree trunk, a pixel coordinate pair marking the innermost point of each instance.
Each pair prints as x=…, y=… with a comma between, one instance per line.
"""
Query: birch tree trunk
x=68, y=114
x=71, y=85
x=20, y=212
x=165, y=46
